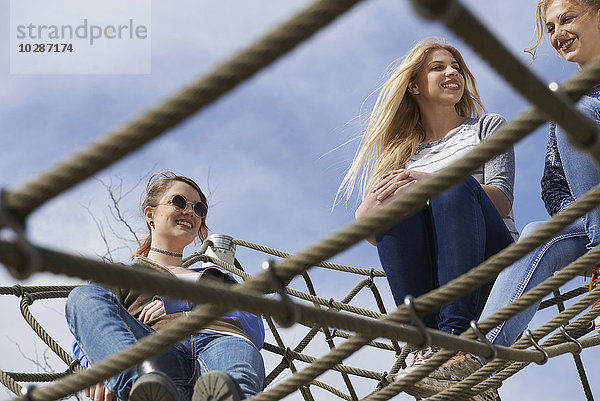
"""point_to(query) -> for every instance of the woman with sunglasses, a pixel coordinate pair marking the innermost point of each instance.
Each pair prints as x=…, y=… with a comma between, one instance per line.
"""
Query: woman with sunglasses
x=224, y=355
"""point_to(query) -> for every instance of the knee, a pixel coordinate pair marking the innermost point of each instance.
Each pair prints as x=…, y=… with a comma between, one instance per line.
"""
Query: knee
x=466, y=189
x=531, y=227
x=252, y=378
x=80, y=298
x=75, y=298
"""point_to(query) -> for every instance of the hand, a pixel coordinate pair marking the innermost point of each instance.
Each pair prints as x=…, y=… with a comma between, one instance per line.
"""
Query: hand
x=395, y=182
x=98, y=392
x=153, y=310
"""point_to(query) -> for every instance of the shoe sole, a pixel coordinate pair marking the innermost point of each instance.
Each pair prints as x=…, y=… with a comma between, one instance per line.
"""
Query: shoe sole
x=215, y=386
x=150, y=387
x=418, y=390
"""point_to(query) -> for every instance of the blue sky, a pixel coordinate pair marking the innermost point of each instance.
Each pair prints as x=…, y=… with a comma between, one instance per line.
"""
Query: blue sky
x=269, y=152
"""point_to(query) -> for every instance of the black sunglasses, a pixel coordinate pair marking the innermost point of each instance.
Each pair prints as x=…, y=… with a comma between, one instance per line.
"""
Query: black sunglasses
x=180, y=202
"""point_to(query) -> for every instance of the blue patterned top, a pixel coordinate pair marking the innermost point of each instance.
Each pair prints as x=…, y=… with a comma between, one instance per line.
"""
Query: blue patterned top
x=555, y=188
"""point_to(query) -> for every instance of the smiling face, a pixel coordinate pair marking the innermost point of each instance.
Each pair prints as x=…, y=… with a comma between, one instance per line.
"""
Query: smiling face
x=173, y=227
x=574, y=31
x=440, y=82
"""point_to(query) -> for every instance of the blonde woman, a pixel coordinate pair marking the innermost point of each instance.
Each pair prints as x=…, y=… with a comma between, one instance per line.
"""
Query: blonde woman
x=427, y=115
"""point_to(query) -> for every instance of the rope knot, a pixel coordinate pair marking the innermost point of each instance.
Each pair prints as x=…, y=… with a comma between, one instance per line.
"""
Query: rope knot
x=31, y=258
x=73, y=365
x=370, y=281
x=20, y=290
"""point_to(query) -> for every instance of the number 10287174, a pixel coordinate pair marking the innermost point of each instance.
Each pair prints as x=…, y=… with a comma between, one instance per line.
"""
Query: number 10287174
x=45, y=47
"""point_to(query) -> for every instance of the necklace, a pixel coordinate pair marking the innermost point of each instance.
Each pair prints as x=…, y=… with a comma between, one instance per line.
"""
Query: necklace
x=178, y=255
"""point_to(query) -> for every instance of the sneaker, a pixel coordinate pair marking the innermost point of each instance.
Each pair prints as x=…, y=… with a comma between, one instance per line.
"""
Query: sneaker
x=451, y=372
x=156, y=386
x=594, y=281
x=216, y=386
x=419, y=357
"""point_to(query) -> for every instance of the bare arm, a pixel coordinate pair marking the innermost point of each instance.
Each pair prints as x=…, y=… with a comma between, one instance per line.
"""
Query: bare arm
x=392, y=183
x=368, y=204
x=499, y=199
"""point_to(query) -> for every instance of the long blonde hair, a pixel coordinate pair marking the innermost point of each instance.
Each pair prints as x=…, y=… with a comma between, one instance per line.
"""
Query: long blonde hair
x=395, y=129
x=540, y=17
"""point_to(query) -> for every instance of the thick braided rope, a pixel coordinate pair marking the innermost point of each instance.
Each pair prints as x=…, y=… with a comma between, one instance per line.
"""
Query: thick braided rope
x=333, y=390
x=543, y=330
x=566, y=274
x=298, y=294
x=302, y=258
x=10, y=383
x=289, y=259
x=174, y=110
x=548, y=346
x=222, y=295
x=426, y=303
x=312, y=296
x=563, y=297
x=298, y=262
x=582, y=131
x=329, y=340
x=43, y=334
x=442, y=356
x=230, y=297
x=584, y=268
x=538, y=292
x=286, y=352
x=328, y=265
x=522, y=343
x=36, y=377
x=18, y=290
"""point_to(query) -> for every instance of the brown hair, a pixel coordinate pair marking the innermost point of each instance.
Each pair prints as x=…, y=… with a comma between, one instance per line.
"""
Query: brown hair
x=157, y=186
x=540, y=16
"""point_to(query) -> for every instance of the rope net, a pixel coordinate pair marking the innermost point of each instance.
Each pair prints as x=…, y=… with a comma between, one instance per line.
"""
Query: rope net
x=345, y=326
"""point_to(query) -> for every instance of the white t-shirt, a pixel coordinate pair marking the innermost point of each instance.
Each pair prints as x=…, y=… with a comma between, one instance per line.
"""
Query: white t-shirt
x=499, y=172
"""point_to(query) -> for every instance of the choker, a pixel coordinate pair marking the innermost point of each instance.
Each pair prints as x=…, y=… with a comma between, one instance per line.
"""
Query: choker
x=177, y=255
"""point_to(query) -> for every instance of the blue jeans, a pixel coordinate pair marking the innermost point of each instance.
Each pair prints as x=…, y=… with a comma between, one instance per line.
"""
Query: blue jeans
x=582, y=174
x=458, y=231
x=528, y=272
x=103, y=327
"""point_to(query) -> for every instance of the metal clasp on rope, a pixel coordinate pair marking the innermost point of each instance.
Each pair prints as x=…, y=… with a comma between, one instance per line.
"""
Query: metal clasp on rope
x=32, y=258
x=425, y=336
x=293, y=311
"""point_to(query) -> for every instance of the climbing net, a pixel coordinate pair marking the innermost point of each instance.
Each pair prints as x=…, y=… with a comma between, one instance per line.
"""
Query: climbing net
x=354, y=326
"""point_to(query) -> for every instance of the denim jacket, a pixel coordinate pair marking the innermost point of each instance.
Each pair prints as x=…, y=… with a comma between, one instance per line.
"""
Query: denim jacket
x=555, y=188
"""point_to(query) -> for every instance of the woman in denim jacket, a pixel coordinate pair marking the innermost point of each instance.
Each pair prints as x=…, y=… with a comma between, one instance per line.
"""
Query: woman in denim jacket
x=225, y=353
x=573, y=28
